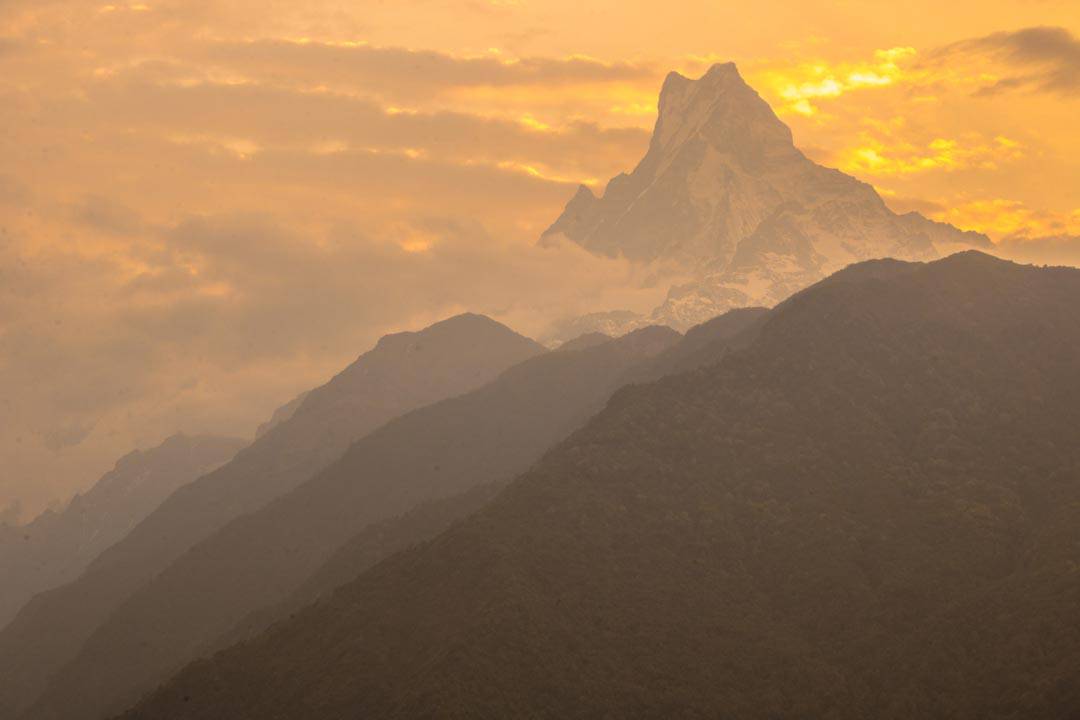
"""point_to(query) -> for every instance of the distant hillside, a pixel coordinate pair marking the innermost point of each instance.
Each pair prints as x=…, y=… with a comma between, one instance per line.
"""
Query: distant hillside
x=56, y=546
x=702, y=345
x=404, y=371
x=488, y=435
x=870, y=510
x=280, y=415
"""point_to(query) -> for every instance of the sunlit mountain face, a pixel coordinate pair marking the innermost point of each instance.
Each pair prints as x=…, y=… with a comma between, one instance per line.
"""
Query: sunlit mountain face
x=724, y=194
x=207, y=209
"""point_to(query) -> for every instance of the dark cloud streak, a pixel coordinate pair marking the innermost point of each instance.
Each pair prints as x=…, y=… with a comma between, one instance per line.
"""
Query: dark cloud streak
x=400, y=71
x=1049, y=57
x=290, y=118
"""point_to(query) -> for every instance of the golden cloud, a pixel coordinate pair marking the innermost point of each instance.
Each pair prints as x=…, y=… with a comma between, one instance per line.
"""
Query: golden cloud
x=1002, y=217
x=800, y=85
x=878, y=158
x=353, y=133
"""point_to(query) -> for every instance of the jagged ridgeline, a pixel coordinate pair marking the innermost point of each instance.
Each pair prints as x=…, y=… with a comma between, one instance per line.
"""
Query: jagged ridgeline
x=871, y=509
x=724, y=194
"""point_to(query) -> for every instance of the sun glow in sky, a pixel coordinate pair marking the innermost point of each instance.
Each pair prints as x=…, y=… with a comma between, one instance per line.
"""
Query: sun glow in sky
x=207, y=206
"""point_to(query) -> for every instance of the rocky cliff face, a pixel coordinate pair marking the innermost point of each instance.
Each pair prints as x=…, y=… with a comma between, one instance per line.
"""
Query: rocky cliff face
x=724, y=194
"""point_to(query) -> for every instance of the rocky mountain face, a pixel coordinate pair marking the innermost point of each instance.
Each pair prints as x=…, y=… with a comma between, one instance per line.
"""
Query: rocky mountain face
x=258, y=560
x=56, y=546
x=871, y=508
x=403, y=372
x=724, y=194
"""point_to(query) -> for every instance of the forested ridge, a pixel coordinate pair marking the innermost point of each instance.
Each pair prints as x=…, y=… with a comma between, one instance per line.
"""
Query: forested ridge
x=872, y=510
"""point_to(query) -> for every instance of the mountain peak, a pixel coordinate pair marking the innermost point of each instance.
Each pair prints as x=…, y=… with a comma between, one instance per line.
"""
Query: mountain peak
x=975, y=258
x=724, y=194
x=468, y=319
x=476, y=344
x=721, y=110
x=724, y=69
x=461, y=327
x=676, y=81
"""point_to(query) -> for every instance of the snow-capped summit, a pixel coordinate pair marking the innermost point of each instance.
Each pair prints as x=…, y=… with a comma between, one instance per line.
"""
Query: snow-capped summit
x=724, y=193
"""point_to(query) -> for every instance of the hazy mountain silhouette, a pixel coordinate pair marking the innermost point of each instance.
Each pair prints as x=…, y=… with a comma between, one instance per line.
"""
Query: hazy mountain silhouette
x=872, y=509
x=404, y=371
x=583, y=341
x=487, y=435
x=56, y=546
x=724, y=194
x=700, y=346
x=612, y=324
x=372, y=544
x=705, y=344
x=281, y=414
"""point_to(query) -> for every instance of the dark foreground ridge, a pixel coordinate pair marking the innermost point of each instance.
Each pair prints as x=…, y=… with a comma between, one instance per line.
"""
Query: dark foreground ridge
x=872, y=510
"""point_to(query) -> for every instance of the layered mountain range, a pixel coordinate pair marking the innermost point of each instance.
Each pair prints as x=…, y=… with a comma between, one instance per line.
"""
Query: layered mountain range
x=258, y=560
x=58, y=545
x=402, y=372
x=868, y=506
x=403, y=483
x=861, y=502
x=724, y=195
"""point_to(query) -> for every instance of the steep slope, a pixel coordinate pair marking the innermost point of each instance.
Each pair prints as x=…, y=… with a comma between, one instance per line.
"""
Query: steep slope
x=700, y=346
x=56, y=546
x=403, y=372
x=724, y=193
x=705, y=344
x=281, y=414
x=371, y=545
x=581, y=342
x=869, y=511
x=485, y=436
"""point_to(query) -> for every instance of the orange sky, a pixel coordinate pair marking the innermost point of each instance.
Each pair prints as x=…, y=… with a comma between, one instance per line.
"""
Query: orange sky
x=207, y=206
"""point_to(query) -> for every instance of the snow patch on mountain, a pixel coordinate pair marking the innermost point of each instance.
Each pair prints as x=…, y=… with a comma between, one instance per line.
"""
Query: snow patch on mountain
x=724, y=195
